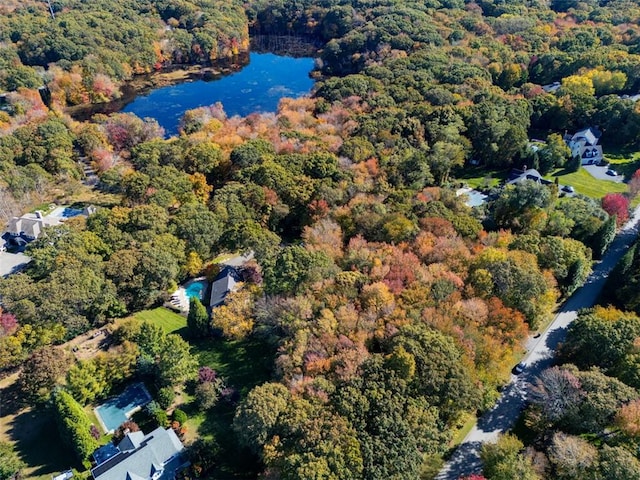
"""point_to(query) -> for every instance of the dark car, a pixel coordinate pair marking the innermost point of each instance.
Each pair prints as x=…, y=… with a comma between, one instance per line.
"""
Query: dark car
x=612, y=173
x=518, y=369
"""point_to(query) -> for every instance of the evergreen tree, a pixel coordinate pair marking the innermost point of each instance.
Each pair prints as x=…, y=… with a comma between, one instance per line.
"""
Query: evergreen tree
x=198, y=319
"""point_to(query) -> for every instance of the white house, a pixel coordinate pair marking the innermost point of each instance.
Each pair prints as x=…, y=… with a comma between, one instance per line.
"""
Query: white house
x=584, y=144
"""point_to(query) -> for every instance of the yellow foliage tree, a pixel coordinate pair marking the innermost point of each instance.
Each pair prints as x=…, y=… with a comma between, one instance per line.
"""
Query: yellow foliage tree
x=194, y=264
x=578, y=85
x=235, y=317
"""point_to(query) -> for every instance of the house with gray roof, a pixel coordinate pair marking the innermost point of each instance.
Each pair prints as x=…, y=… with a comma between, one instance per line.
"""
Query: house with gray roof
x=155, y=456
x=30, y=225
x=517, y=176
x=224, y=283
x=584, y=144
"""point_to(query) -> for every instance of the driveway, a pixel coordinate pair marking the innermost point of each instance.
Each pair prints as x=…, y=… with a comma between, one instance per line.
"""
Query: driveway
x=503, y=416
x=12, y=262
x=601, y=173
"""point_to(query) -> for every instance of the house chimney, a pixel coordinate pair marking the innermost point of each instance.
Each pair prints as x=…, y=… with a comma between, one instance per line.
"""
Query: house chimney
x=38, y=214
x=524, y=168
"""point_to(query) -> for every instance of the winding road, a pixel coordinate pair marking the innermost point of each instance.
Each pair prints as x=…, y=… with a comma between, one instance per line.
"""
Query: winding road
x=503, y=416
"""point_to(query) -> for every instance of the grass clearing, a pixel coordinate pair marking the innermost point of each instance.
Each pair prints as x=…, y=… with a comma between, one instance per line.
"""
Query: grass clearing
x=34, y=434
x=481, y=177
x=243, y=365
x=170, y=322
x=586, y=184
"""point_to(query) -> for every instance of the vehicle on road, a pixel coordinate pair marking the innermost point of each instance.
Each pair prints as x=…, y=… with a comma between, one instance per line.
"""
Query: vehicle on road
x=568, y=189
x=612, y=173
x=518, y=369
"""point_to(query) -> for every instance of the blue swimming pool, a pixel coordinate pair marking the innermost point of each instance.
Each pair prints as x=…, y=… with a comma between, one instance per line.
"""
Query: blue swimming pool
x=115, y=411
x=196, y=289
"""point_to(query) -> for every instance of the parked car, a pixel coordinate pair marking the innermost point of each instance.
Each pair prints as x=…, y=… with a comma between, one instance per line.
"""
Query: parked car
x=612, y=173
x=518, y=369
x=568, y=189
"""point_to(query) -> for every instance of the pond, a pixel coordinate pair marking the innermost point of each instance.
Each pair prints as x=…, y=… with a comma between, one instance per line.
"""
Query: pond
x=257, y=87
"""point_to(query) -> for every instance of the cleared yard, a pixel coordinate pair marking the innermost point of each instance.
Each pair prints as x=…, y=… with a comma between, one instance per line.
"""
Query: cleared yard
x=34, y=434
x=170, y=322
x=481, y=177
x=585, y=184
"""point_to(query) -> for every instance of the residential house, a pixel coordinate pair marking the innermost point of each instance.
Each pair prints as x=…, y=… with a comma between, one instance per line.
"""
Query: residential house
x=551, y=87
x=155, y=456
x=225, y=282
x=584, y=144
x=30, y=225
x=516, y=176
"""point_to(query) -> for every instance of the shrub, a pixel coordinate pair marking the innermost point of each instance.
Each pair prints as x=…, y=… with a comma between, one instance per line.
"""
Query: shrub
x=179, y=416
x=165, y=397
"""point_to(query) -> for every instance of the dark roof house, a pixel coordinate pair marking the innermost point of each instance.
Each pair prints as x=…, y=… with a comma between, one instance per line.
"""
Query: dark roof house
x=155, y=456
x=516, y=176
x=224, y=283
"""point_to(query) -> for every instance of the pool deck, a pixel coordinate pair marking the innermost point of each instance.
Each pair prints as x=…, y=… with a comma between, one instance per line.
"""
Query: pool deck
x=179, y=299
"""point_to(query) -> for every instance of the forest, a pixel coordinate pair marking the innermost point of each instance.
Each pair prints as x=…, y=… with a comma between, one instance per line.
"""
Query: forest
x=382, y=312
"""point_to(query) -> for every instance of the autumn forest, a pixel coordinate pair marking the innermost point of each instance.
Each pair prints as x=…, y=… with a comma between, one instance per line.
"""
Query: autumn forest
x=379, y=313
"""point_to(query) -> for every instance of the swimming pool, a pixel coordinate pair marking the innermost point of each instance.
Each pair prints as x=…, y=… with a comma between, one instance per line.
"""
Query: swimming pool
x=196, y=289
x=117, y=410
x=65, y=212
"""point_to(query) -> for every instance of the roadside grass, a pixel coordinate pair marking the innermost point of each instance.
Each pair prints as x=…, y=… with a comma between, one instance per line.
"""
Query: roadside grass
x=481, y=177
x=170, y=322
x=586, y=184
x=461, y=433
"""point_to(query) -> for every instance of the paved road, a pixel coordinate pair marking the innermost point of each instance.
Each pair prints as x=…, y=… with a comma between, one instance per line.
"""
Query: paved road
x=503, y=415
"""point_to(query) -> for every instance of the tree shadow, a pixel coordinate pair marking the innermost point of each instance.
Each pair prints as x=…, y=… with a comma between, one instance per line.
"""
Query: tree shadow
x=37, y=440
x=11, y=400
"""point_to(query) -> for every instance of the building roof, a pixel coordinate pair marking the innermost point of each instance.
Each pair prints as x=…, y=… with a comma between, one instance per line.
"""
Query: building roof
x=223, y=284
x=589, y=135
x=532, y=174
x=142, y=457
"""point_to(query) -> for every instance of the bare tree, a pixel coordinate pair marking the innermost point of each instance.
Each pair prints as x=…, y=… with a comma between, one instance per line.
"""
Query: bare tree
x=53, y=15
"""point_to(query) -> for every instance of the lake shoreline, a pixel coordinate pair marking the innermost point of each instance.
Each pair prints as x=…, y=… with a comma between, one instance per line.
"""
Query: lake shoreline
x=175, y=74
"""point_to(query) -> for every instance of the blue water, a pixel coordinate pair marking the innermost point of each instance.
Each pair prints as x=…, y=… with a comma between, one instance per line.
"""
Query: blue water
x=196, y=289
x=258, y=87
x=114, y=411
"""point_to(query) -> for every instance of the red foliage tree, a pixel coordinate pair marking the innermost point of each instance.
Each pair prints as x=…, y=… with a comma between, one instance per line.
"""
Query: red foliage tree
x=616, y=204
x=634, y=184
x=8, y=324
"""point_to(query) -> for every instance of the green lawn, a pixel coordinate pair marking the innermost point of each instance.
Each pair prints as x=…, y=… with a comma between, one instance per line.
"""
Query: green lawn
x=481, y=177
x=243, y=365
x=170, y=322
x=585, y=184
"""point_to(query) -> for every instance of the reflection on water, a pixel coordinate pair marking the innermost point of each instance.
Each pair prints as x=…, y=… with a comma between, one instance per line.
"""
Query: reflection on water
x=258, y=87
